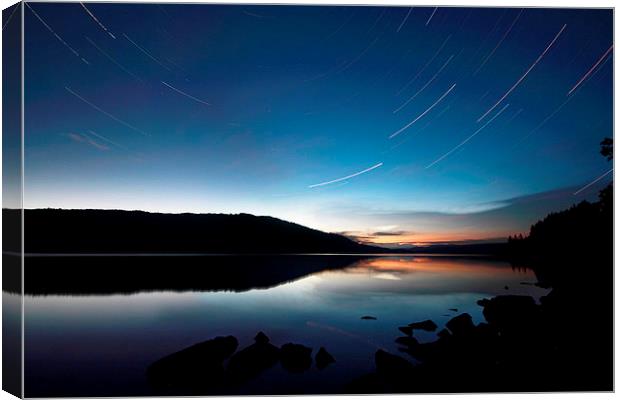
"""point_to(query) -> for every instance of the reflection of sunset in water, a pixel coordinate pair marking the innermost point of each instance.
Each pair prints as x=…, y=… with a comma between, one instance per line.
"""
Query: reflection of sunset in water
x=452, y=265
x=424, y=275
x=321, y=309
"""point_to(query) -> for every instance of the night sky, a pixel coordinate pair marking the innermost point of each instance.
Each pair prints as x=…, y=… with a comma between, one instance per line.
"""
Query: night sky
x=391, y=125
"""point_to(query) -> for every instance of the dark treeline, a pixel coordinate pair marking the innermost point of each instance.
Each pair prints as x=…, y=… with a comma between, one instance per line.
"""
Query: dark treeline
x=572, y=253
x=572, y=245
x=582, y=233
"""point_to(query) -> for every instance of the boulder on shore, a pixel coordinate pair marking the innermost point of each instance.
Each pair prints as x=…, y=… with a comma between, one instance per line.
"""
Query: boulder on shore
x=295, y=357
x=254, y=359
x=407, y=330
x=511, y=312
x=444, y=333
x=323, y=358
x=408, y=341
x=195, y=367
x=427, y=325
x=261, y=338
x=461, y=325
x=391, y=365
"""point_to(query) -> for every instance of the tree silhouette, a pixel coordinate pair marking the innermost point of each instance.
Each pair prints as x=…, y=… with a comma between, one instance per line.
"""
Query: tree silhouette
x=585, y=230
x=606, y=196
x=607, y=148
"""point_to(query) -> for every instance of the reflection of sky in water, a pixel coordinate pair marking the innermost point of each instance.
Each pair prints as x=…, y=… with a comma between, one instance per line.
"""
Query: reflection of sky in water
x=102, y=344
x=11, y=342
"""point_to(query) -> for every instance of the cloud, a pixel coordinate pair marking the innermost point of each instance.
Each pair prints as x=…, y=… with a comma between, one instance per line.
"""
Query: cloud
x=120, y=146
x=488, y=221
x=391, y=233
x=374, y=237
x=75, y=137
x=357, y=236
x=479, y=207
x=83, y=138
x=255, y=15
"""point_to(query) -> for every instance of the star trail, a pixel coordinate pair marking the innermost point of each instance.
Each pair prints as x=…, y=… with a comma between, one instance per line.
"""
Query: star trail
x=253, y=108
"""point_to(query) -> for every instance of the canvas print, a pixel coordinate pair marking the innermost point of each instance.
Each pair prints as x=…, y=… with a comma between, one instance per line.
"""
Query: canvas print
x=242, y=199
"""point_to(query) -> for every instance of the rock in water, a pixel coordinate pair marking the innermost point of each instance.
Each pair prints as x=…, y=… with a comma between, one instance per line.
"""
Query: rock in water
x=323, y=358
x=261, y=338
x=195, y=368
x=369, y=317
x=253, y=360
x=391, y=365
x=486, y=333
x=483, y=302
x=408, y=341
x=427, y=325
x=510, y=312
x=443, y=334
x=407, y=330
x=461, y=325
x=295, y=357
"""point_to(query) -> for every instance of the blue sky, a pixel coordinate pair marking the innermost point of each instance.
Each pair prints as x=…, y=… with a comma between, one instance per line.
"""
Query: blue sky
x=212, y=108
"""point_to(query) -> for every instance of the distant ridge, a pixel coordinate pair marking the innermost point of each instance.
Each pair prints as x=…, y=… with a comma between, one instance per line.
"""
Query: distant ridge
x=116, y=231
x=492, y=248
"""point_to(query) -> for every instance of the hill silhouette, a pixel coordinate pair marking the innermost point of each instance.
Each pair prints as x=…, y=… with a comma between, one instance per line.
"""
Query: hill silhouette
x=496, y=249
x=178, y=252
x=115, y=231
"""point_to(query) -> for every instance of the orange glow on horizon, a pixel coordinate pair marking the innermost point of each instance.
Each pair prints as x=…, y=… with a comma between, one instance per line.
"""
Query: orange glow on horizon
x=426, y=238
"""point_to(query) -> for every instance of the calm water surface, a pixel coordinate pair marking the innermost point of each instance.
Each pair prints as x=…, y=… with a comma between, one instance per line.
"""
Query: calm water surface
x=102, y=344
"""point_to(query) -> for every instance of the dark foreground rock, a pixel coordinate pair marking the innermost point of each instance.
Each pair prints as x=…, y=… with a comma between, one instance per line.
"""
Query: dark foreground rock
x=323, y=358
x=295, y=357
x=391, y=365
x=427, y=325
x=408, y=341
x=444, y=333
x=194, y=368
x=261, y=338
x=461, y=325
x=523, y=346
x=392, y=375
x=511, y=313
x=407, y=330
x=203, y=369
x=253, y=360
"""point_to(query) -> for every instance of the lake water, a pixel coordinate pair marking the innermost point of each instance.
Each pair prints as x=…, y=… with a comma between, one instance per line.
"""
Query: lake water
x=101, y=345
